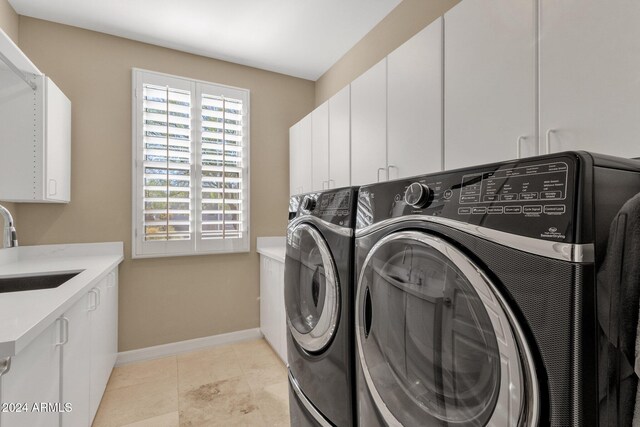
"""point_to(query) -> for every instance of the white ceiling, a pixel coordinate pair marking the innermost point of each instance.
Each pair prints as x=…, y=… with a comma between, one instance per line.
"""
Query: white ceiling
x=301, y=38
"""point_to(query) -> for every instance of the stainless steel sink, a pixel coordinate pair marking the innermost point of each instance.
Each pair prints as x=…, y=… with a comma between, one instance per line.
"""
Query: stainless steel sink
x=32, y=283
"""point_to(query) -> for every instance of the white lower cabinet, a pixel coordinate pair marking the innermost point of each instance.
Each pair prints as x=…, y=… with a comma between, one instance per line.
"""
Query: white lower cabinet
x=104, y=324
x=33, y=379
x=76, y=363
x=272, y=310
x=67, y=364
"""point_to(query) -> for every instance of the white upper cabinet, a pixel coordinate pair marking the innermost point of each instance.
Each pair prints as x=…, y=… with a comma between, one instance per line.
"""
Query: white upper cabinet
x=320, y=147
x=490, y=81
x=369, y=126
x=340, y=139
x=414, y=104
x=300, y=179
x=590, y=76
x=35, y=118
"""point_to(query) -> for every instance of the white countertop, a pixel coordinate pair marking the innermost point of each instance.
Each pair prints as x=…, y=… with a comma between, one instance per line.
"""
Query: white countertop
x=272, y=247
x=24, y=315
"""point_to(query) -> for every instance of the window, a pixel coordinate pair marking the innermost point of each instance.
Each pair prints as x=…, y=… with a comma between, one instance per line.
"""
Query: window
x=190, y=166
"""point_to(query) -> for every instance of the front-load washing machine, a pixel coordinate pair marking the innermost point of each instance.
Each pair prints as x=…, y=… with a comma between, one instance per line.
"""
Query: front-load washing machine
x=319, y=294
x=477, y=296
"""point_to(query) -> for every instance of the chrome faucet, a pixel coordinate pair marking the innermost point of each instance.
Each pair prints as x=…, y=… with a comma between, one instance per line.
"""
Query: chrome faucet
x=10, y=239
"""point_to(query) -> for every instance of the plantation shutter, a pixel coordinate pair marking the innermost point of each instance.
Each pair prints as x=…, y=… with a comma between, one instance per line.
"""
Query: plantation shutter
x=223, y=209
x=191, y=166
x=167, y=163
x=221, y=168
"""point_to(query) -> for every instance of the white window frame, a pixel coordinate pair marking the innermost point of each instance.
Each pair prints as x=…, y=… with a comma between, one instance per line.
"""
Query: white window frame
x=196, y=245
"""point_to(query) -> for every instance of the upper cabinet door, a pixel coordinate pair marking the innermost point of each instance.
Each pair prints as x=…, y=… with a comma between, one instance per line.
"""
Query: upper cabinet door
x=490, y=81
x=415, y=104
x=300, y=156
x=369, y=125
x=320, y=147
x=340, y=139
x=58, y=146
x=589, y=76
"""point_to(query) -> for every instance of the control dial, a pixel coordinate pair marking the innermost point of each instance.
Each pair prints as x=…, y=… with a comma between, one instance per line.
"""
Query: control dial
x=308, y=204
x=417, y=195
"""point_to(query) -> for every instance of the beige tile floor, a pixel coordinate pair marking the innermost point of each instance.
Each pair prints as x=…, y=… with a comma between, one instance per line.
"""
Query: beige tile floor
x=242, y=384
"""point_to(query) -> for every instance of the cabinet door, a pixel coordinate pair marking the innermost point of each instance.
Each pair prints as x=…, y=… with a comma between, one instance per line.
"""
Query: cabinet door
x=34, y=378
x=281, y=318
x=320, y=147
x=369, y=125
x=300, y=157
x=340, y=139
x=112, y=321
x=589, y=68
x=76, y=364
x=490, y=81
x=101, y=347
x=415, y=104
x=58, y=144
x=266, y=303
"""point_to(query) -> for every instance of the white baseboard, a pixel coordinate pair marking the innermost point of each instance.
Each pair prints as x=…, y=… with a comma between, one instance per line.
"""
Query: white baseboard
x=172, y=349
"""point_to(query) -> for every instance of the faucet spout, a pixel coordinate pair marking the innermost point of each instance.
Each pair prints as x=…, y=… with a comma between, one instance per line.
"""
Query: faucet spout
x=10, y=237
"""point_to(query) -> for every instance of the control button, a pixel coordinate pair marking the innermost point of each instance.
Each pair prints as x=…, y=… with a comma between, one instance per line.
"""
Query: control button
x=491, y=198
x=464, y=211
x=508, y=197
x=417, y=195
x=479, y=211
x=533, y=209
x=513, y=209
x=447, y=194
x=495, y=210
x=469, y=199
x=529, y=196
x=308, y=204
x=551, y=195
x=555, y=209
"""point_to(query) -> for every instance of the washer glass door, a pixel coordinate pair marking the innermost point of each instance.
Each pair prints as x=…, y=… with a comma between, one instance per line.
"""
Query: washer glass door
x=435, y=341
x=311, y=288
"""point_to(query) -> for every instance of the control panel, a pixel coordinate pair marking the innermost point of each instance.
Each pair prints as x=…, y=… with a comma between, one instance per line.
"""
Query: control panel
x=333, y=206
x=532, y=198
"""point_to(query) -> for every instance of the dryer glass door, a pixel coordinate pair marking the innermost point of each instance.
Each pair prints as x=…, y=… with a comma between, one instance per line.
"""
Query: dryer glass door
x=311, y=288
x=435, y=344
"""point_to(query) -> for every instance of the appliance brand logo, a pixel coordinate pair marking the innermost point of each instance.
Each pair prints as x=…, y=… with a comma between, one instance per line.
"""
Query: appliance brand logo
x=552, y=233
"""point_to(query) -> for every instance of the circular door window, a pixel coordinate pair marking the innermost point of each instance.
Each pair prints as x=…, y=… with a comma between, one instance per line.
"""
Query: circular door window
x=311, y=289
x=436, y=342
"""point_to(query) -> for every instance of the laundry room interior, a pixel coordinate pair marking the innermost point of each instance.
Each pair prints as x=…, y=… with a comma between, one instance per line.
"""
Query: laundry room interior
x=320, y=213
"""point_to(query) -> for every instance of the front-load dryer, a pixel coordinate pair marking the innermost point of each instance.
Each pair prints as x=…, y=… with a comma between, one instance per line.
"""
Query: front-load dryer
x=477, y=299
x=319, y=296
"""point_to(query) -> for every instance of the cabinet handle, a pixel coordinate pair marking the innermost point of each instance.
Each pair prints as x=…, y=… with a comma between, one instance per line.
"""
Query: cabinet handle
x=65, y=334
x=380, y=169
x=519, y=146
x=548, y=140
x=389, y=171
x=111, y=281
x=94, y=304
x=5, y=365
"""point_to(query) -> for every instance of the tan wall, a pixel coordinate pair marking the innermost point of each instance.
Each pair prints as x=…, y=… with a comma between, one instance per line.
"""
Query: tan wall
x=406, y=20
x=165, y=299
x=9, y=20
x=9, y=24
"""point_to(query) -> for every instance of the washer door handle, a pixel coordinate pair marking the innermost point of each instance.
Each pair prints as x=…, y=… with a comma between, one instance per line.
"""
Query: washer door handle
x=368, y=312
